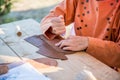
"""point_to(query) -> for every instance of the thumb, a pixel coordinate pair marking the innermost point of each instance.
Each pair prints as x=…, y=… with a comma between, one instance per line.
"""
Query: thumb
x=61, y=17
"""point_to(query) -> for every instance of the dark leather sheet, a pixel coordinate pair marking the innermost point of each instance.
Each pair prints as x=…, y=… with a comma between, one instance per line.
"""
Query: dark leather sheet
x=47, y=47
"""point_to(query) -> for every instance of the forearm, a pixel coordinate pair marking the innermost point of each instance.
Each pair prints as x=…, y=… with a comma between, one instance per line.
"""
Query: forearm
x=106, y=51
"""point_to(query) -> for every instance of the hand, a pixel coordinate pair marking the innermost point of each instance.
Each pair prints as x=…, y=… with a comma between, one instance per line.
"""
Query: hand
x=73, y=43
x=58, y=25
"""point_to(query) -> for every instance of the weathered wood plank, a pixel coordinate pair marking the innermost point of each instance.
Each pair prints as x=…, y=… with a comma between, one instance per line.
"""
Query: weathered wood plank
x=6, y=55
x=81, y=66
x=28, y=28
x=26, y=50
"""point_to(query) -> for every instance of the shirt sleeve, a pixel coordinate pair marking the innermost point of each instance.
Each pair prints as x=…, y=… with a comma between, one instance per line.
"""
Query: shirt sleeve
x=65, y=8
x=107, y=51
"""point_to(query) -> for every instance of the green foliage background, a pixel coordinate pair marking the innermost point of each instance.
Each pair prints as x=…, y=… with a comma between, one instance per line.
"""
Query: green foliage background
x=5, y=6
x=25, y=9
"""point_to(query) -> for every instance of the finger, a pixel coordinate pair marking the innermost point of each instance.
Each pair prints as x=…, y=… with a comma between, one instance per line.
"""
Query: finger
x=58, y=19
x=61, y=17
x=72, y=48
x=58, y=44
x=62, y=24
x=60, y=32
x=67, y=48
x=54, y=31
x=55, y=20
x=64, y=44
x=60, y=28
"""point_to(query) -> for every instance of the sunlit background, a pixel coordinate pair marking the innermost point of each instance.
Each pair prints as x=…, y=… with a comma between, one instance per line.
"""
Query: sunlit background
x=24, y=9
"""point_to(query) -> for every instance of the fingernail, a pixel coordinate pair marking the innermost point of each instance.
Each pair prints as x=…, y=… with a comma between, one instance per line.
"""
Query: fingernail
x=61, y=16
x=63, y=48
x=56, y=44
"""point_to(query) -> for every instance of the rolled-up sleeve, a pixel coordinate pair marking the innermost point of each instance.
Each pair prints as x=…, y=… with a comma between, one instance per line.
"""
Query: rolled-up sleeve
x=65, y=8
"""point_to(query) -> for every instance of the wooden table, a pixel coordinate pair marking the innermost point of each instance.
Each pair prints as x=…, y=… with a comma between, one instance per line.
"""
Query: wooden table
x=79, y=66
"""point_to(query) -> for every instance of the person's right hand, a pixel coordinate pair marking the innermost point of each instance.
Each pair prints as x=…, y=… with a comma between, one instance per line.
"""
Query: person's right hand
x=58, y=25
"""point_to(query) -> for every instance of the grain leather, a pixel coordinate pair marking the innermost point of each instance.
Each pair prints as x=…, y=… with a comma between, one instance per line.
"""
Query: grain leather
x=47, y=47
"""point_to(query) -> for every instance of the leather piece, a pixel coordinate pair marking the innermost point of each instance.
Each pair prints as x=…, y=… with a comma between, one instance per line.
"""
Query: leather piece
x=47, y=47
x=3, y=69
x=52, y=44
x=51, y=53
x=35, y=40
x=46, y=61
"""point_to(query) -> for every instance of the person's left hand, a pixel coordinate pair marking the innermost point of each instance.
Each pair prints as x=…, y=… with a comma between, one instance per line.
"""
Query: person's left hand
x=73, y=43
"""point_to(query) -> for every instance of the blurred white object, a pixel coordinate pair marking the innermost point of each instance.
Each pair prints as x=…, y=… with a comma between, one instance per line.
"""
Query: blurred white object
x=1, y=31
x=18, y=28
x=69, y=31
x=86, y=75
x=19, y=33
x=23, y=72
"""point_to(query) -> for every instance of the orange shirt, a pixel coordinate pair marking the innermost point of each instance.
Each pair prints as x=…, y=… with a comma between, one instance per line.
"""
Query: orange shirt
x=97, y=19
